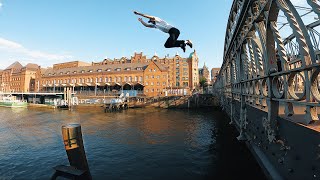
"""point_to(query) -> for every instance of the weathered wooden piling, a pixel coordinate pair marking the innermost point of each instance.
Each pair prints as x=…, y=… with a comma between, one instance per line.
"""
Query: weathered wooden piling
x=73, y=143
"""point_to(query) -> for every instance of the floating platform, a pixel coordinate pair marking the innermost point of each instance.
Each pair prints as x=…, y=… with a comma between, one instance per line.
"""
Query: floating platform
x=114, y=107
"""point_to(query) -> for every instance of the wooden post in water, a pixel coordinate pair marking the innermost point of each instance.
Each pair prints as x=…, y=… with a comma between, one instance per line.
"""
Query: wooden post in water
x=69, y=97
x=73, y=143
x=78, y=169
x=64, y=95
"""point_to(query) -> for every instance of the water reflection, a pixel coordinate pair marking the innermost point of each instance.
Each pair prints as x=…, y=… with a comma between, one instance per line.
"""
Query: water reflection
x=134, y=144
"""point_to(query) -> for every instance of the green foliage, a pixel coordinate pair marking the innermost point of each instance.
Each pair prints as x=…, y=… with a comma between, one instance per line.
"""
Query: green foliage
x=203, y=82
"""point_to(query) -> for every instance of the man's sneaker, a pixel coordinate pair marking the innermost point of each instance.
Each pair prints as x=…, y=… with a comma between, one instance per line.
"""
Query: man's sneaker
x=189, y=43
x=183, y=47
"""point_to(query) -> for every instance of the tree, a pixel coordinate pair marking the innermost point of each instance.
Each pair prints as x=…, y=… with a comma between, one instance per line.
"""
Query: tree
x=203, y=82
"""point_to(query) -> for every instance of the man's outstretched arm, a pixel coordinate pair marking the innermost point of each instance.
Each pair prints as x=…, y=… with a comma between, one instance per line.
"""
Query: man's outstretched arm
x=144, y=15
x=146, y=24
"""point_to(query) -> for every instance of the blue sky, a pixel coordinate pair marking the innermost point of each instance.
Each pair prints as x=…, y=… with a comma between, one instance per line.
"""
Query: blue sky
x=52, y=31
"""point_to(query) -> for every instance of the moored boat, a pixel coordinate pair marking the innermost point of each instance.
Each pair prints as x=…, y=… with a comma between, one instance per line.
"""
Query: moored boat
x=11, y=101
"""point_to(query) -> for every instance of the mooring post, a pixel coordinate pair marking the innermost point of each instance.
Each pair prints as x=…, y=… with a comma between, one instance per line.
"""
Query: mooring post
x=78, y=169
x=73, y=143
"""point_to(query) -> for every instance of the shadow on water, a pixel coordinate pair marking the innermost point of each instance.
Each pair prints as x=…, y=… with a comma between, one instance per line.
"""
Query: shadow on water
x=235, y=159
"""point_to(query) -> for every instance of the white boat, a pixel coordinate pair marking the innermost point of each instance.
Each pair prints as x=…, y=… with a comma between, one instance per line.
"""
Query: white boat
x=120, y=99
x=12, y=101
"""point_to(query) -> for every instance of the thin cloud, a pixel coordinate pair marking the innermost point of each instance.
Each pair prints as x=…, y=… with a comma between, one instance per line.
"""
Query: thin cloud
x=4, y=43
x=18, y=49
x=1, y=4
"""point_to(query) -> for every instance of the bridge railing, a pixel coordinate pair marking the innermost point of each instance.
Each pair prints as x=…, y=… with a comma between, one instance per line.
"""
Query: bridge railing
x=269, y=83
x=264, y=69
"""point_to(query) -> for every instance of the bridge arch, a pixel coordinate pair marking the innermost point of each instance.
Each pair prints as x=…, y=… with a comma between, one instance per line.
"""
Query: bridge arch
x=255, y=49
x=274, y=75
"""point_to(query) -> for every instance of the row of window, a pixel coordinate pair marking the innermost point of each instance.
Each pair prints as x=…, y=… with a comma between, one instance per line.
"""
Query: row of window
x=117, y=61
x=169, y=91
x=116, y=69
x=16, y=79
x=106, y=79
x=16, y=89
x=98, y=80
x=154, y=90
x=99, y=70
x=185, y=73
x=152, y=70
x=178, y=65
x=15, y=84
x=184, y=84
x=158, y=83
x=158, y=77
x=184, y=60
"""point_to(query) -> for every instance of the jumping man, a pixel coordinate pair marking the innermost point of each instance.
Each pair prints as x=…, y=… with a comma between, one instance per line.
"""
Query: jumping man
x=172, y=41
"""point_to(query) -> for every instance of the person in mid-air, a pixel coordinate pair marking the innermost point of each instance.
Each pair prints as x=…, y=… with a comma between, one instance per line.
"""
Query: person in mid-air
x=172, y=41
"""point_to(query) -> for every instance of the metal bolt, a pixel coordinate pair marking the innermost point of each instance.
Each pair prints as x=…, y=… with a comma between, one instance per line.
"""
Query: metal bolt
x=280, y=160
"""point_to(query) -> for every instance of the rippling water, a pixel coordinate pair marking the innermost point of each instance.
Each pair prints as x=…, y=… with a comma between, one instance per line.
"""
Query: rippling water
x=134, y=144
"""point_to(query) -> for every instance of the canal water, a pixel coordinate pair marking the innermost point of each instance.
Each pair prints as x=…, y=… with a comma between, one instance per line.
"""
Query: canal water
x=133, y=144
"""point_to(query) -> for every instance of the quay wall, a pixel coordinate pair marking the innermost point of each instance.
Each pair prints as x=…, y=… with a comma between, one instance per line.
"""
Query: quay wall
x=195, y=101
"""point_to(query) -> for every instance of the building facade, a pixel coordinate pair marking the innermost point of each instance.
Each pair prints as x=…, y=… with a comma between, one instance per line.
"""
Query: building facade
x=214, y=74
x=18, y=78
x=204, y=72
x=153, y=76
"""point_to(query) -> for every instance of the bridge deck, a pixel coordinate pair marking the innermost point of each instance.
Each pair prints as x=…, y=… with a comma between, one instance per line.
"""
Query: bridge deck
x=299, y=114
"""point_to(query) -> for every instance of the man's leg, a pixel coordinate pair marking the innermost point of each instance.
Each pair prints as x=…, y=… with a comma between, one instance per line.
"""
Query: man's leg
x=172, y=40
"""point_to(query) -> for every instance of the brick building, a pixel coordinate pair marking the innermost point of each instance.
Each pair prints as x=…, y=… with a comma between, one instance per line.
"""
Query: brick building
x=204, y=72
x=150, y=76
x=153, y=76
x=214, y=74
x=18, y=78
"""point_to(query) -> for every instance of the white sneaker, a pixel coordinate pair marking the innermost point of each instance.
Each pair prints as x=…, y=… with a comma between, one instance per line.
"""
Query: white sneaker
x=189, y=43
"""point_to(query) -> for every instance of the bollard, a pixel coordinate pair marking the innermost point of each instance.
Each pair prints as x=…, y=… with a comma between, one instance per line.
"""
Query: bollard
x=78, y=169
x=72, y=139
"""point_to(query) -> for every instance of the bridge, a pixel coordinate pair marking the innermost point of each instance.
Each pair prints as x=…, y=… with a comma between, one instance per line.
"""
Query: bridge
x=269, y=84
